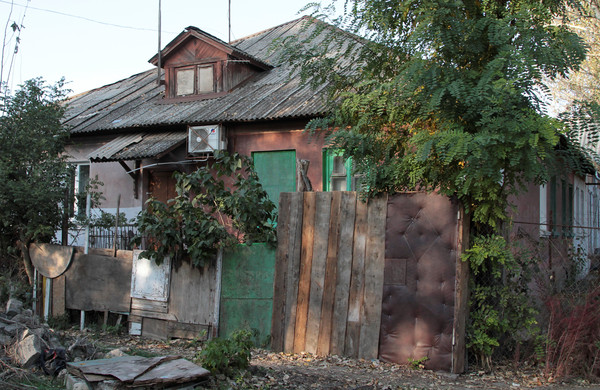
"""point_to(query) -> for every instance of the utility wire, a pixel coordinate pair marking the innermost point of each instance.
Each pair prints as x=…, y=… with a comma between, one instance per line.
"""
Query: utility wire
x=85, y=18
x=17, y=42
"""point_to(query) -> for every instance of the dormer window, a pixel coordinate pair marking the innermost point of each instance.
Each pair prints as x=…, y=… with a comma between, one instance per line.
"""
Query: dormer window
x=200, y=66
x=195, y=80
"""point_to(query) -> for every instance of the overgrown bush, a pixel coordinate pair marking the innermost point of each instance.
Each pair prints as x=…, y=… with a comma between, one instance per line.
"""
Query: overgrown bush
x=227, y=355
x=573, y=336
x=216, y=206
x=500, y=310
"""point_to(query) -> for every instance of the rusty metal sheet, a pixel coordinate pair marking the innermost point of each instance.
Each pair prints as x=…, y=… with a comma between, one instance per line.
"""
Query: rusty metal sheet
x=51, y=260
x=418, y=293
x=137, y=102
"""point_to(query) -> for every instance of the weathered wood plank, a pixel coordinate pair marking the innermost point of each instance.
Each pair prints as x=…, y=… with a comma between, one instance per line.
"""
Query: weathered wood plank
x=293, y=271
x=306, y=257
x=148, y=305
x=460, y=295
x=355, y=299
x=330, y=277
x=58, y=296
x=317, y=274
x=199, y=283
x=151, y=314
x=373, y=290
x=281, y=260
x=344, y=268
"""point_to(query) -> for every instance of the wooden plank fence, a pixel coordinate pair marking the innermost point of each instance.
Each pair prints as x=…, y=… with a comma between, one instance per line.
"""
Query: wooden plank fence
x=329, y=274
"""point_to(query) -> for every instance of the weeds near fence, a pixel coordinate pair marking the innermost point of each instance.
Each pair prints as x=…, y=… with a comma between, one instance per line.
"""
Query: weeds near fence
x=501, y=312
x=573, y=336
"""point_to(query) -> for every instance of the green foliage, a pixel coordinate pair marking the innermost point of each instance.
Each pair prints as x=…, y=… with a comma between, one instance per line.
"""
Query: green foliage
x=208, y=214
x=227, y=355
x=443, y=95
x=500, y=309
x=417, y=364
x=33, y=166
x=59, y=322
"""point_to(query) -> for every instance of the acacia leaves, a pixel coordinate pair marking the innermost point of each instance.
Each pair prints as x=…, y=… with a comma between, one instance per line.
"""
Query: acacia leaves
x=33, y=167
x=447, y=95
x=218, y=205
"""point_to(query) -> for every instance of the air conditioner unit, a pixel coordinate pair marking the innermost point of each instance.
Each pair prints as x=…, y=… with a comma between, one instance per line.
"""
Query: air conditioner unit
x=205, y=139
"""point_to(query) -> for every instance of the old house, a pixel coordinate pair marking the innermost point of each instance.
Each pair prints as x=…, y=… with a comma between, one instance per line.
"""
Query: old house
x=212, y=95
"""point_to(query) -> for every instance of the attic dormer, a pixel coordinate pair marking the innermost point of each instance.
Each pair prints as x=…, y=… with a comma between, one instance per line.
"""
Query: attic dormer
x=200, y=66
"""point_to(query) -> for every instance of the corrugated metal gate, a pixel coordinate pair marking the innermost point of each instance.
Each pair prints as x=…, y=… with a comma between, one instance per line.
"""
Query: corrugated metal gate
x=387, y=272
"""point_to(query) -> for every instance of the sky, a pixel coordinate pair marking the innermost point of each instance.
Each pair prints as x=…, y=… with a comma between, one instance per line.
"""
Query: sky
x=92, y=43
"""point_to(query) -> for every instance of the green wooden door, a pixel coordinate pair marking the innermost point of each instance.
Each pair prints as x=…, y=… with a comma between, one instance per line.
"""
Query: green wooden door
x=276, y=171
x=247, y=291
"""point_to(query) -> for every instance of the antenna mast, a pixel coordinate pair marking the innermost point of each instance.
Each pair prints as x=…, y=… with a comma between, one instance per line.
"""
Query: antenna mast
x=229, y=17
x=159, y=32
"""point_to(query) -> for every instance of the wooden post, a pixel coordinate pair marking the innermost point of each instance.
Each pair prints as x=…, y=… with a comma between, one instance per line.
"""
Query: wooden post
x=105, y=322
x=461, y=295
x=116, y=226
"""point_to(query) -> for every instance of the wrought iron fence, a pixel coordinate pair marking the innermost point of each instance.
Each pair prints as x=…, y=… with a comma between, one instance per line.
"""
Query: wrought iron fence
x=101, y=237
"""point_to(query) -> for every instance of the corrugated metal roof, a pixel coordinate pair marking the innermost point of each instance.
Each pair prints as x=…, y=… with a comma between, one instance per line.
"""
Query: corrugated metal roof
x=137, y=102
x=137, y=146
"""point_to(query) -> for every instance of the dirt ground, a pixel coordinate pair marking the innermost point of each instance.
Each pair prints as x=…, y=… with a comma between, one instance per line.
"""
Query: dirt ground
x=270, y=370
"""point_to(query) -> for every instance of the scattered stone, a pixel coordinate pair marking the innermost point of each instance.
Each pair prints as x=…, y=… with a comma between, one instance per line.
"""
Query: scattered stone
x=115, y=353
x=5, y=340
x=74, y=383
x=26, y=352
x=13, y=307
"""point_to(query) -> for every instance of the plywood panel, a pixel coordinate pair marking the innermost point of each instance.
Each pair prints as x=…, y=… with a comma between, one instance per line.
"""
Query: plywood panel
x=317, y=274
x=344, y=268
x=192, y=293
x=98, y=283
x=308, y=231
x=373, y=290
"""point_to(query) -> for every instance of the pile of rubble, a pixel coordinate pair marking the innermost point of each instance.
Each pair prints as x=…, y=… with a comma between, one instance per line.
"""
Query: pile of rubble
x=27, y=343
x=27, y=346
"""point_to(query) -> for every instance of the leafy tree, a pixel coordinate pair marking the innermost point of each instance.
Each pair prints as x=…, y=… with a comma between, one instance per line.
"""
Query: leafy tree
x=33, y=167
x=443, y=94
x=577, y=96
x=216, y=206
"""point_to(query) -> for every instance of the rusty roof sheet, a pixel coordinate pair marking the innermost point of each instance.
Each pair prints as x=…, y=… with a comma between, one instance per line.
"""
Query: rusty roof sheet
x=137, y=146
x=137, y=102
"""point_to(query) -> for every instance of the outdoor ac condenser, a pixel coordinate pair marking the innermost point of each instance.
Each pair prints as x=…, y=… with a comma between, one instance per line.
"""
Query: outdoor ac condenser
x=205, y=139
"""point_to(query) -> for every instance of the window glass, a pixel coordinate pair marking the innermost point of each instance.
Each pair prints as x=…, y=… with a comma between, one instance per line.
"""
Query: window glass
x=82, y=177
x=338, y=172
x=185, y=82
x=205, y=79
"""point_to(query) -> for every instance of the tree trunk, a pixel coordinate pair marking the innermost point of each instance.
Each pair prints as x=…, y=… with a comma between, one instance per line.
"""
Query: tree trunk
x=27, y=261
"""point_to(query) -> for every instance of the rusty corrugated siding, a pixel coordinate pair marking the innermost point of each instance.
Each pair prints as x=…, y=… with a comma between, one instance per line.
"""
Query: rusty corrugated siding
x=136, y=102
x=137, y=146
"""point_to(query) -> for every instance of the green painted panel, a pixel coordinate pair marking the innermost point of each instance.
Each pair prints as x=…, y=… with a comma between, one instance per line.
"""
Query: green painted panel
x=247, y=290
x=248, y=272
x=276, y=171
x=247, y=314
